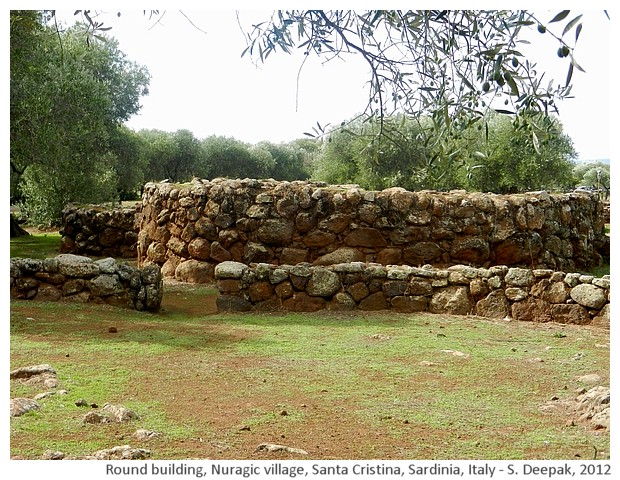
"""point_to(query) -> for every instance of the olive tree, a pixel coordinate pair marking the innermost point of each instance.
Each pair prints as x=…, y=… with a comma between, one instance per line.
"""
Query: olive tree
x=450, y=65
x=67, y=99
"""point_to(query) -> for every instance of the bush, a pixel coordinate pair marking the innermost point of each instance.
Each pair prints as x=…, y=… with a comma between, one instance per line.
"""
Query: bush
x=46, y=191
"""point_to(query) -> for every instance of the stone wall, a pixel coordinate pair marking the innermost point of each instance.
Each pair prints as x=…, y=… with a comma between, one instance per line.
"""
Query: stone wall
x=539, y=295
x=606, y=211
x=189, y=229
x=99, y=231
x=73, y=278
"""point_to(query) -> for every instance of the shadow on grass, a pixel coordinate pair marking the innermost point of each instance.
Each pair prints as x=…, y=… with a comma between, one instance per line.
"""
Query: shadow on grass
x=107, y=326
x=36, y=246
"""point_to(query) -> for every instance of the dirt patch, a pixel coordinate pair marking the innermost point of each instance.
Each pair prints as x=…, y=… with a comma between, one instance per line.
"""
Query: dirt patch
x=181, y=298
x=355, y=393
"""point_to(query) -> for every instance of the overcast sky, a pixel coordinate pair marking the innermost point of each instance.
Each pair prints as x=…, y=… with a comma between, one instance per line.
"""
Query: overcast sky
x=201, y=83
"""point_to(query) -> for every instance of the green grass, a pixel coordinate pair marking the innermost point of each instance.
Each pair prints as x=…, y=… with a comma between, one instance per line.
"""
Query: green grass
x=364, y=368
x=41, y=245
x=599, y=271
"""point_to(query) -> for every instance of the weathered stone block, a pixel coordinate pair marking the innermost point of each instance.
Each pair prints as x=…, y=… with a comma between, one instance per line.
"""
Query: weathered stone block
x=255, y=252
x=358, y=291
x=373, y=302
x=532, y=310
x=195, y=271
x=73, y=286
x=390, y=256
x=293, y=256
x=515, y=294
x=422, y=252
x=474, y=250
x=199, y=248
x=284, y=290
x=77, y=266
x=394, y=288
x=103, y=285
x=230, y=270
x=589, y=295
x=260, y=291
x=342, y=302
x=519, y=277
x=409, y=304
x=276, y=232
x=219, y=253
x=341, y=255
x=47, y=293
x=302, y=302
x=323, y=283
x=453, y=300
x=318, y=239
x=552, y=292
x=571, y=313
x=365, y=237
x=495, y=305
x=53, y=278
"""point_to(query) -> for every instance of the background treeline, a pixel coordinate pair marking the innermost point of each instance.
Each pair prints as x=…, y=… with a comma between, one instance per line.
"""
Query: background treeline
x=494, y=153
x=71, y=95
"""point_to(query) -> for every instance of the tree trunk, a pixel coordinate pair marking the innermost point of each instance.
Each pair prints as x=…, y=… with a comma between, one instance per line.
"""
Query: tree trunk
x=16, y=229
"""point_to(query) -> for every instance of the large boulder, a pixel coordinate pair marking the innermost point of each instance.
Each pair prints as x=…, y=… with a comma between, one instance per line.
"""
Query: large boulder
x=194, y=271
x=104, y=285
x=230, y=269
x=276, y=232
x=589, y=295
x=519, y=277
x=323, y=283
x=453, y=300
x=495, y=305
x=77, y=266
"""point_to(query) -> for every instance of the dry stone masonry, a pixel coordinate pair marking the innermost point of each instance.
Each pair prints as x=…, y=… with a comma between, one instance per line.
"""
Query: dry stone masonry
x=100, y=231
x=75, y=278
x=189, y=229
x=539, y=295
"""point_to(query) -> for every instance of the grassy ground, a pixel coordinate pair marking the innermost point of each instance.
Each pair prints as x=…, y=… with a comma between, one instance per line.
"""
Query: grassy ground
x=41, y=245
x=339, y=386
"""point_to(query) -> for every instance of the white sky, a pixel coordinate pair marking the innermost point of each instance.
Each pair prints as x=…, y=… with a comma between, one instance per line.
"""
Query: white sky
x=201, y=83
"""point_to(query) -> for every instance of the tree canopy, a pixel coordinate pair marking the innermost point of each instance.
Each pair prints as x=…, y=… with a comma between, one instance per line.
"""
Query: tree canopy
x=453, y=65
x=68, y=101
x=593, y=175
x=495, y=158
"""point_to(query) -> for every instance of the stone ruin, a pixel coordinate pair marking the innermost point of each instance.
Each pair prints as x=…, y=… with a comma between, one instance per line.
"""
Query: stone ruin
x=74, y=278
x=538, y=295
x=189, y=229
x=99, y=231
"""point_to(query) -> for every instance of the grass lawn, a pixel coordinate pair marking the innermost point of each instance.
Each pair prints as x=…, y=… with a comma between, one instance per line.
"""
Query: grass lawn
x=40, y=245
x=338, y=386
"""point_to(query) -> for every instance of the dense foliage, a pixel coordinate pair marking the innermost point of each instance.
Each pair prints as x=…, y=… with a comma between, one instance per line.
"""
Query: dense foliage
x=595, y=176
x=69, y=98
x=179, y=156
x=492, y=155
